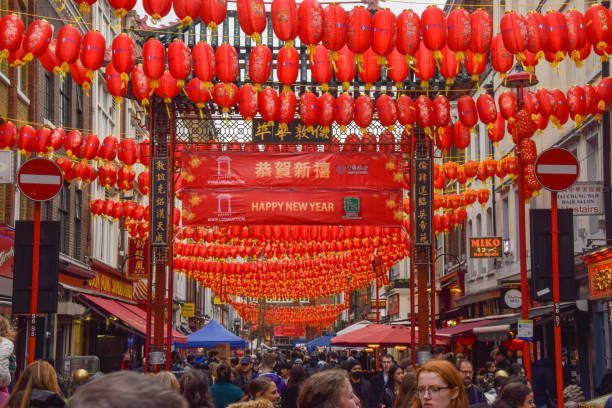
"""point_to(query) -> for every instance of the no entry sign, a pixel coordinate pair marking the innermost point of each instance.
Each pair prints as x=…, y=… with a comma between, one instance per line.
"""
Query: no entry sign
x=40, y=179
x=556, y=169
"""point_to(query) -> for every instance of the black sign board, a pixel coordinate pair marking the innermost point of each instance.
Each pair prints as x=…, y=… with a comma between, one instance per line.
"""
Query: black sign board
x=159, y=201
x=422, y=201
x=485, y=247
x=294, y=132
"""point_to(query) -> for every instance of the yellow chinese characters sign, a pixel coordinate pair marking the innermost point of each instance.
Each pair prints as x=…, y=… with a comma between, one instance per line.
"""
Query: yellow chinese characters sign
x=600, y=279
x=112, y=286
x=188, y=310
x=159, y=201
x=138, y=259
x=294, y=132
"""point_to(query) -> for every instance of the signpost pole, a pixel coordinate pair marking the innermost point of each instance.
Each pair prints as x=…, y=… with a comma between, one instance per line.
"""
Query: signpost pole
x=34, y=294
x=377, y=322
x=556, y=309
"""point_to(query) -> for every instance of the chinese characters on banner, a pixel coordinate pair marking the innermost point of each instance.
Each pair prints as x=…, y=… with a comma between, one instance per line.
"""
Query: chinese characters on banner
x=138, y=259
x=284, y=206
x=422, y=201
x=294, y=132
x=209, y=170
x=159, y=201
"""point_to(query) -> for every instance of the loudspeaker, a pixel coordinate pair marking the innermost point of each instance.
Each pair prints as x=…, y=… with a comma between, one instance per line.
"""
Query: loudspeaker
x=47, y=271
x=541, y=255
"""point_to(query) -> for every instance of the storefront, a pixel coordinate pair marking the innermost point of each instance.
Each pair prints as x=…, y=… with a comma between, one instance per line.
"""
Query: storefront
x=7, y=255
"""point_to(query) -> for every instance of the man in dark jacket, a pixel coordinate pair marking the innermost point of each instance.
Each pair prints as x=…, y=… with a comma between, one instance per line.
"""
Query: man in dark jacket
x=380, y=379
x=543, y=383
x=361, y=386
x=466, y=372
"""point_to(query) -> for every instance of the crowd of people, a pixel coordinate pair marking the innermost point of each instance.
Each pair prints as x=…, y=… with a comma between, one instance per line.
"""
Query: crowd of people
x=285, y=380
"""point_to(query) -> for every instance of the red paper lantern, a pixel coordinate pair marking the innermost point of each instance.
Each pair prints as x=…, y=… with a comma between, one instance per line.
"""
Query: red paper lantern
x=343, y=110
x=11, y=34
x=144, y=157
x=387, y=111
x=335, y=22
x=197, y=93
x=368, y=143
x=37, y=39
x=459, y=31
x=561, y=110
x=468, y=114
x=72, y=143
x=433, y=30
x=187, y=10
x=154, y=60
x=444, y=137
x=397, y=68
x=598, y=28
x=168, y=87
x=474, y=67
x=309, y=109
x=424, y=113
x=15, y=59
x=79, y=75
x=406, y=112
x=157, y=8
x=285, y=20
x=213, y=12
x=141, y=85
x=310, y=23
x=92, y=52
x=122, y=6
x=56, y=139
x=114, y=84
x=321, y=67
x=524, y=126
x=501, y=59
x=260, y=65
x=449, y=67
x=591, y=101
x=461, y=135
x=346, y=69
x=123, y=55
x=540, y=121
x=252, y=18
x=558, y=38
x=358, y=32
x=125, y=178
x=49, y=60
x=408, y=33
x=144, y=182
x=248, y=104
x=425, y=66
x=41, y=141
x=89, y=147
x=537, y=33
x=483, y=196
x=514, y=33
x=128, y=151
x=546, y=102
x=225, y=96
x=441, y=111
x=507, y=104
x=286, y=111
x=268, y=105
x=179, y=61
x=371, y=69
x=576, y=33
x=108, y=149
x=326, y=107
x=67, y=46
x=288, y=63
x=487, y=112
x=530, y=103
x=576, y=102
x=8, y=135
x=226, y=63
x=384, y=32
x=364, y=112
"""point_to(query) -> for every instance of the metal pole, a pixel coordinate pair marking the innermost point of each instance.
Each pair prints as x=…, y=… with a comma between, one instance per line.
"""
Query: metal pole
x=151, y=264
x=377, y=322
x=556, y=310
x=433, y=293
x=412, y=274
x=34, y=291
x=170, y=247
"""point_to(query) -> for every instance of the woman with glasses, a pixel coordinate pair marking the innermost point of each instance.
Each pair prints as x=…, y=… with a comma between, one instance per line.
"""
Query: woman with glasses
x=515, y=395
x=438, y=385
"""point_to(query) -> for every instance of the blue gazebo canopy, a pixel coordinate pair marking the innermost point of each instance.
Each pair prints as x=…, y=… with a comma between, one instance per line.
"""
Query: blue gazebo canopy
x=323, y=341
x=211, y=335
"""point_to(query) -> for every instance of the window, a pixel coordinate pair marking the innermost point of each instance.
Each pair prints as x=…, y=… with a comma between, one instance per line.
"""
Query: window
x=22, y=74
x=64, y=214
x=65, y=110
x=505, y=215
x=79, y=108
x=49, y=92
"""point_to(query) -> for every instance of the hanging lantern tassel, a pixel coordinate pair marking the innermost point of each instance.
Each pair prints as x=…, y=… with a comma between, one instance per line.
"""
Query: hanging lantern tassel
x=343, y=129
x=368, y=86
x=381, y=60
x=346, y=86
x=120, y=13
x=428, y=132
x=86, y=87
x=310, y=49
x=257, y=88
x=167, y=102
x=325, y=87
x=399, y=85
x=186, y=22
x=333, y=57
x=575, y=56
x=63, y=5
x=289, y=44
x=84, y=8
x=200, y=105
x=256, y=37
x=601, y=46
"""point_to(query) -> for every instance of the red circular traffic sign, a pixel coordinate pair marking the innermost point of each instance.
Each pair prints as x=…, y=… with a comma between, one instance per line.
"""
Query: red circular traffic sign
x=556, y=169
x=40, y=179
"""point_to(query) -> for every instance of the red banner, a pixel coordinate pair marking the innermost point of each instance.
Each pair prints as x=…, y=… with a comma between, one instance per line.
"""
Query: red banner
x=376, y=170
x=327, y=207
x=289, y=331
x=7, y=250
x=138, y=259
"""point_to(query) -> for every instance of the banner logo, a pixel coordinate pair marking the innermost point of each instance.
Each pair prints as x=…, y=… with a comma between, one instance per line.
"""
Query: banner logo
x=352, y=208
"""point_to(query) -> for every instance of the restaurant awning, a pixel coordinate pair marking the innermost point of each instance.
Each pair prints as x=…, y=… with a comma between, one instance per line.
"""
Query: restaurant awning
x=130, y=315
x=382, y=334
x=464, y=327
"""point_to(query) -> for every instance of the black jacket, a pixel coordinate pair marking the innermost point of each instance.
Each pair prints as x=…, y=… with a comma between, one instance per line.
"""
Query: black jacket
x=41, y=398
x=387, y=398
x=365, y=392
x=475, y=395
x=378, y=384
x=289, y=399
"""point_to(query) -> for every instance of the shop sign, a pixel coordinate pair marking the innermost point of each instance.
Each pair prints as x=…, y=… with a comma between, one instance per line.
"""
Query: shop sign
x=138, y=258
x=371, y=316
x=188, y=310
x=525, y=329
x=393, y=304
x=6, y=167
x=583, y=198
x=422, y=201
x=7, y=251
x=512, y=298
x=218, y=301
x=289, y=331
x=159, y=201
x=485, y=247
x=382, y=304
x=600, y=280
x=111, y=286
x=294, y=132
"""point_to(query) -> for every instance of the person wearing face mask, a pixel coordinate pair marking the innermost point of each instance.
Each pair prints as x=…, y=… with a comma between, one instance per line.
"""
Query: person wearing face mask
x=362, y=387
